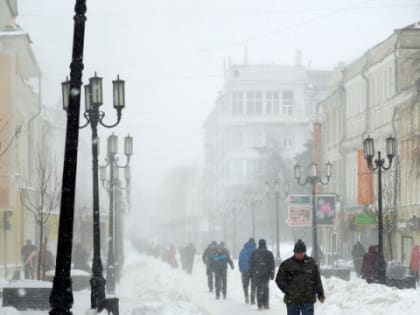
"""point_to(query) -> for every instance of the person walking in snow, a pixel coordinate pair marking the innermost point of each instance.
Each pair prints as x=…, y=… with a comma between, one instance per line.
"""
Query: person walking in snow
x=299, y=279
x=358, y=252
x=189, y=254
x=207, y=260
x=369, y=270
x=243, y=264
x=415, y=262
x=220, y=261
x=29, y=252
x=261, y=266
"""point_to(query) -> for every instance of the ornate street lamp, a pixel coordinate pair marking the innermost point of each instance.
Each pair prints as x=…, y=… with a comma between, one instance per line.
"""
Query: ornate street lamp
x=112, y=162
x=61, y=298
x=94, y=117
x=313, y=178
x=379, y=165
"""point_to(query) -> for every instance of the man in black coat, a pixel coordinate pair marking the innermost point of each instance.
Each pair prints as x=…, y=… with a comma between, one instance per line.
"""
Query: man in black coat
x=207, y=260
x=299, y=279
x=219, y=264
x=261, y=267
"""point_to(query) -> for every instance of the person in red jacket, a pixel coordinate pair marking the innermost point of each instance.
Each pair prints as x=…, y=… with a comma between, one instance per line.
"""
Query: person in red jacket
x=415, y=261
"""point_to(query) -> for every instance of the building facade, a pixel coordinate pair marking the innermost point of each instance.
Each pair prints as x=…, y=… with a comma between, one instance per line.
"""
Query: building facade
x=369, y=98
x=20, y=129
x=261, y=120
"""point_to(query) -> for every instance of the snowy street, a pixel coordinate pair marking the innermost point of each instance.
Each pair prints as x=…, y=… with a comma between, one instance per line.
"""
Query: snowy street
x=151, y=287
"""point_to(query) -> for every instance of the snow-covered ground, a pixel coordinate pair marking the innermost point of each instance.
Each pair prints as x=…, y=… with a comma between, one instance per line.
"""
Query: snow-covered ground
x=150, y=287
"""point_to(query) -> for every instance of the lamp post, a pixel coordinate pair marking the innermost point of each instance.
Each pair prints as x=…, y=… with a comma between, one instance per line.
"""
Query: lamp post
x=276, y=194
x=61, y=298
x=94, y=117
x=379, y=165
x=313, y=178
x=112, y=162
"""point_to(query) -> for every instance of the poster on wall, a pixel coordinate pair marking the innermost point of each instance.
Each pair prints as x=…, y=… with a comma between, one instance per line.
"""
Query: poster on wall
x=325, y=206
x=299, y=210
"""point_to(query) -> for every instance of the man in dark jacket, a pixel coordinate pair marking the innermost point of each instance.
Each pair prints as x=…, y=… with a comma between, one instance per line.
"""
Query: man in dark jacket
x=28, y=256
x=243, y=263
x=299, y=279
x=207, y=260
x=261, y=266
x=220, y=260
x=358, y=252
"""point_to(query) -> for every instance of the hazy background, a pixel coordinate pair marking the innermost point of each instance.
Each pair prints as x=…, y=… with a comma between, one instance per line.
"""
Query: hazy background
x=171, y=54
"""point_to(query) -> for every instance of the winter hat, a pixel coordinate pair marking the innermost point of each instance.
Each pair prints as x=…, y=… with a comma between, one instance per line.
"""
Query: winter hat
x=251, y=240
x=300, y=247
x=261, y=243
x=221, y=245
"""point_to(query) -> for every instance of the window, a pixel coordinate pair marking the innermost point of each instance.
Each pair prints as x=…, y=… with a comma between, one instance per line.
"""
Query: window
x=258, y=103
x=272, y=105
x=237, y=103
x=237, y=139
x=255, y=140
x=237, y=168
x=287, y=142
x=254, y=168
x=288, y=102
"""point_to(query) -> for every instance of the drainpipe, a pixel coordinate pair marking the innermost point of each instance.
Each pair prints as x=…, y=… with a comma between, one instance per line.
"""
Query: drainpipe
x=365, y=77
x=30, y=122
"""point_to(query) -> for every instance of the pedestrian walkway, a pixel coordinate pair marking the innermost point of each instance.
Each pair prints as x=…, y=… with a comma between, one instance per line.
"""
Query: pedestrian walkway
x=234, y=304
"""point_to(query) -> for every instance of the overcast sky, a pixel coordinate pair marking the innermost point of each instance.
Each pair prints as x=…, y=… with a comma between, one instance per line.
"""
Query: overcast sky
x=171, y=53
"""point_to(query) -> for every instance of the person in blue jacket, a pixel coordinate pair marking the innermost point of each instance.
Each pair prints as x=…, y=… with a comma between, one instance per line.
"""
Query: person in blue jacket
x=220, y=261
x=243, y=263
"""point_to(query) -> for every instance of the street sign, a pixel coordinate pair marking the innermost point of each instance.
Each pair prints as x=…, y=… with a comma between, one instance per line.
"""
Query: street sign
x=366, y=219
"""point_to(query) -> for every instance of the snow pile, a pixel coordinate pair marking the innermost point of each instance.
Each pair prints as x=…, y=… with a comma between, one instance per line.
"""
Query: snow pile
x=8, y=311
x=358, y=297
x=151, y=287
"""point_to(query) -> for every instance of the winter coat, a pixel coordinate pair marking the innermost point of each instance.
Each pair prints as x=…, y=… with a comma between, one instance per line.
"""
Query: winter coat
x=370, y=264
x=208, y=256
x=245, y=255
x=415, y=259
x=261, y=264
x=220, y=260
x=300, y=281
x=358, y=251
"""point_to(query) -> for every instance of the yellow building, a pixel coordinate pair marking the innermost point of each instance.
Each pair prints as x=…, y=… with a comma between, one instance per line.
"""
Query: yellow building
x=20, y=107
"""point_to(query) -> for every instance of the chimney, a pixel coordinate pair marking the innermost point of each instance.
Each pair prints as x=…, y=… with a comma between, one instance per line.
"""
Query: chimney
x=298, y=58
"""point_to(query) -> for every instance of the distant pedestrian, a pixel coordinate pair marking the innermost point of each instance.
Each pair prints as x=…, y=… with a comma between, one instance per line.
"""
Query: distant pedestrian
x=169, y=256
x=246, y=276
x=300, y=281
x=220, y=261
x=189, y=255
x=358, y=252
x=261, y=266
x=208, y=261
x=370, y=265
x=415, y=262
x=29, y=252
x=80, y=258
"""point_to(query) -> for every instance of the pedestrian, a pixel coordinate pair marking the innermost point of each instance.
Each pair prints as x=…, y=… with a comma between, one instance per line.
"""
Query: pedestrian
x=80, y=258
x=208, y=261
x=415, y=261
x=358, y=252
x=370, y=265
x=189, y=254
x=299, y=279
x=261, y=266
x=220, y=261
x=29, y=253
x=243, y=264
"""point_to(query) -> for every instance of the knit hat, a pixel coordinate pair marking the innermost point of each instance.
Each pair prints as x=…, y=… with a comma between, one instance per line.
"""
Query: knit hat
x=300, y=247
x=261, y=243
x=251, y=240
